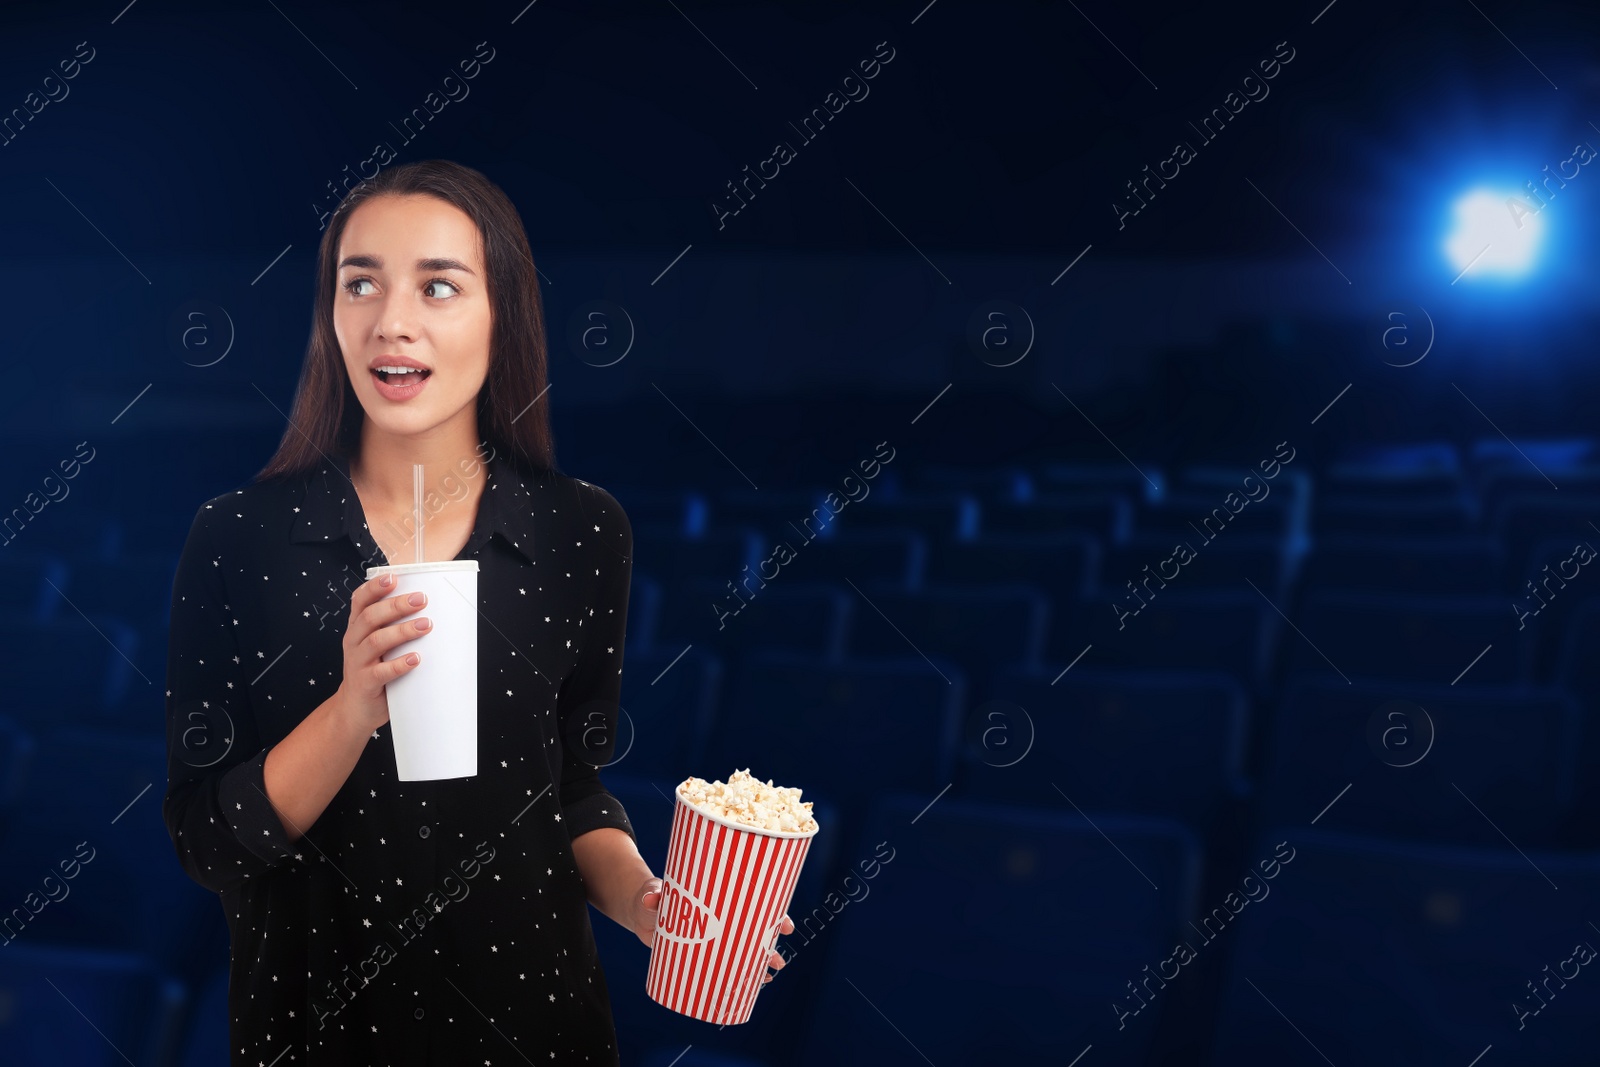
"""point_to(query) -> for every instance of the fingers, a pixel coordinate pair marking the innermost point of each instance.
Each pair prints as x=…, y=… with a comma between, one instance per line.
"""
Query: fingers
x=370, y=592
x=381, y=607
x=386, y=632
x=787, y=925
x=394, y=668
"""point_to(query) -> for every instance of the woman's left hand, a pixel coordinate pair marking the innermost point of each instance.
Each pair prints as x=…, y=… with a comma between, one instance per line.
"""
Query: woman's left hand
x=647, y=906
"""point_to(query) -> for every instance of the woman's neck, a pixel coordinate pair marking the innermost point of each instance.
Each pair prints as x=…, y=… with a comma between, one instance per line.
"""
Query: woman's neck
x=452, y=470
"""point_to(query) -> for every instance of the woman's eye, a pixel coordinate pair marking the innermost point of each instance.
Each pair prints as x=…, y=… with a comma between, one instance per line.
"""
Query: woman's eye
x=440, y=281
x=350, y=286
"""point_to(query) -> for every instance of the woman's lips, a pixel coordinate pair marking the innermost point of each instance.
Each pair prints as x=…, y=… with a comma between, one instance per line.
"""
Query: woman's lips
x=413, y=384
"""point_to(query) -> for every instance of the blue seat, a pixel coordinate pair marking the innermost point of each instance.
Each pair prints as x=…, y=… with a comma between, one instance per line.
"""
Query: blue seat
x=1183, y=516
x=1524, y=520
x=644, y=612
x=788, y=615
x=1578, y=673
x=701, y=1057
x=1176, y=630
x=666, y=553
x=16, y=754
x=1227, y=564
x=987, y=483
x=1405, y=516
x=1509, y=751
x=937, y=515
x=1421, y=640
x=1511, y=483
x=670, y=701
x=205, y=1038
x=841, y=731
x=26, y=581
x=131, y=586
x=644, y=1025
x=977, y=628
x=1168, y=743
x=1550, y=586
x=1105, y=517
x=86, y=1007
x=769, y=510
x=672, y=508
x=71, y=670
x=1402, y=471
x=1147, y=482
x=1412, y=566
x=1063, y=565
x=1003, y=973
x=891, y=554
x=94, y=798
x=1428, y=946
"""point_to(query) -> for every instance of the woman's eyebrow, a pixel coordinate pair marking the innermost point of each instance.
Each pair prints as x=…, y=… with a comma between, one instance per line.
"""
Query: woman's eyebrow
x=371, y=262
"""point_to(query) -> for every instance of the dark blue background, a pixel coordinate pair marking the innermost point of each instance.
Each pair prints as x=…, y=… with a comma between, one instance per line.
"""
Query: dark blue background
x=1340, y=677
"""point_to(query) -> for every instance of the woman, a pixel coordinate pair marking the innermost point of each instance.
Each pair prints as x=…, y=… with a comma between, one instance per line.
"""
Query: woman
x=375, y=921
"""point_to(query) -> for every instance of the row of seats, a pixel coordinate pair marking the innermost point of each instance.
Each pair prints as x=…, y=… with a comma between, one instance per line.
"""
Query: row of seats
x=1244, y=632
x=984, y=607
x=106, y=940
x=1049, y=933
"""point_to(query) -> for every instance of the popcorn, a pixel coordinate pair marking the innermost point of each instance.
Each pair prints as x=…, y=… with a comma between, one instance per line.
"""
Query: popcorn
x=751, y=802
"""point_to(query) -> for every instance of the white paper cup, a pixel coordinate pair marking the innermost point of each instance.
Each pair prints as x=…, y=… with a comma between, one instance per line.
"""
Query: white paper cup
x=724, y=892
x=433, y=707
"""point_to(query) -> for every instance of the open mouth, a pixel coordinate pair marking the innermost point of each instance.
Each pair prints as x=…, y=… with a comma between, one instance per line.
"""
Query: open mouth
x=409, y=376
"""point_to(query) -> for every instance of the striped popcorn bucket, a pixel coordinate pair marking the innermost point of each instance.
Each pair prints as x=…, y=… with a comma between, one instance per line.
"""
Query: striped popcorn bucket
x=723, y=895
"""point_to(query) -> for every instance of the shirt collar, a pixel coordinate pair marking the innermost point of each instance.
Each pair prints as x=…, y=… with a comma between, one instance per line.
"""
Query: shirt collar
x=330, y=509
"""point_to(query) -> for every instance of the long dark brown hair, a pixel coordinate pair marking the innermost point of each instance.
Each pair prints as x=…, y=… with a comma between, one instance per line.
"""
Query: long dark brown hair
x=326, y=418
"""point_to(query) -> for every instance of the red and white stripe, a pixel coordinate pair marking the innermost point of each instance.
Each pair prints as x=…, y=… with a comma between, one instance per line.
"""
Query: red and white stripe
x=725, y=889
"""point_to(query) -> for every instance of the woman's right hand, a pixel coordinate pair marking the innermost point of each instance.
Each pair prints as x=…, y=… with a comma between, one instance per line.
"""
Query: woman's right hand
x=378, y=622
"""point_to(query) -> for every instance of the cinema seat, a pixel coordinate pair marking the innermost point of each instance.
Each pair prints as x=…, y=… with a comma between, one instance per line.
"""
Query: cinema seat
x=644, y=612
x=1384, y=516
x=85, y=1007
x=1146, y=482
x=79, y=782
x=1421, y=640
x=844, y=731
x=1500, y=757
x=1063, y=565
x=71, y=670
x=895, y=555
x=668, y=554
x=1523, y=520
x=1226, y=565
x=1405, y=566
x=938, y=516
x=785, y=615
x=1167, y=743
x=1105, y=517
x=1232, y=632
x=28, y=584
x=1428, y=945
x=16, y=754
x=1030, y=923
x=205, y=1039
x=670, y=702
x=978, y=628
x=132, y=586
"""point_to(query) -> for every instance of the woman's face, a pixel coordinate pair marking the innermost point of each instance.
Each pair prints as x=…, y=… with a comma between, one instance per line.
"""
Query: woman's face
x=412, y=290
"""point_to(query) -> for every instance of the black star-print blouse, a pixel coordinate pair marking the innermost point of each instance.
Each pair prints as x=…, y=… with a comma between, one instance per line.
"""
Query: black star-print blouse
x=418, y=923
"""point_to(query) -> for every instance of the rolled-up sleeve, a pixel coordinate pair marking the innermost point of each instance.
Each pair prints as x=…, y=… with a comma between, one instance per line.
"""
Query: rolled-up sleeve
x=216, y=809
x=588, y=700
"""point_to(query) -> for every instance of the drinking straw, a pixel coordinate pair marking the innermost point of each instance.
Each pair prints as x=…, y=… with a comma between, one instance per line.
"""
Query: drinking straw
x=416, y=504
